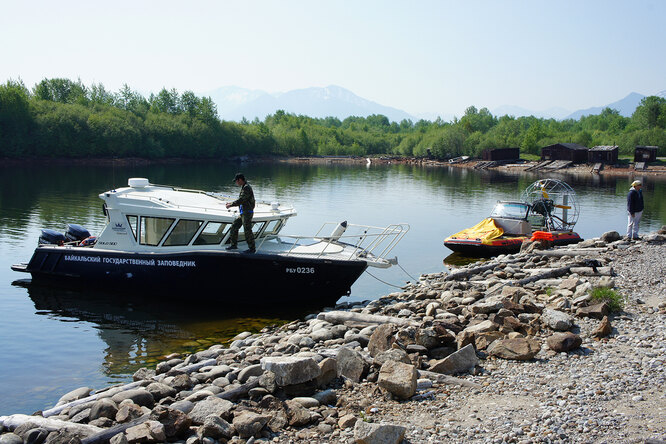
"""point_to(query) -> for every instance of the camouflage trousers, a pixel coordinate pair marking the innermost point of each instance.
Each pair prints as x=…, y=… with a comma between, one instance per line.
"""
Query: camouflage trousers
x=245, y=220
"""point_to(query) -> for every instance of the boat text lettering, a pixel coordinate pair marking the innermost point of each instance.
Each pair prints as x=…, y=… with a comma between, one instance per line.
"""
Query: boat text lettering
x=302, y=270
x=73, y=258
x=162, y=263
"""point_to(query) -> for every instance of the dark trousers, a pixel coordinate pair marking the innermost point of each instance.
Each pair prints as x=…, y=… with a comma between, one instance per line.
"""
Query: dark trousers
x=245, y=220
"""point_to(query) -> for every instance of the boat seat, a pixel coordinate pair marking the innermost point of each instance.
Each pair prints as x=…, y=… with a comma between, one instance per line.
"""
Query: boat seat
x=513, y=227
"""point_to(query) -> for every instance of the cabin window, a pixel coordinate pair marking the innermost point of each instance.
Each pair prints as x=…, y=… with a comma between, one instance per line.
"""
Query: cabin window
x=183, y=232
x=272, y=227
x=212, y=234
x=256, y=229
x=134, y=224
x=153, y=229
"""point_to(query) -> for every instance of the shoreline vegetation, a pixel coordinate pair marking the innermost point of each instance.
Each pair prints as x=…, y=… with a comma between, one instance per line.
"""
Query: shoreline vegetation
x=520, y=348
x=622, y=168
x=62, y=119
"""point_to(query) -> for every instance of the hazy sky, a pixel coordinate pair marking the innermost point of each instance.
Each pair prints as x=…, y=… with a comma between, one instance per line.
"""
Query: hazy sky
x=418, y=56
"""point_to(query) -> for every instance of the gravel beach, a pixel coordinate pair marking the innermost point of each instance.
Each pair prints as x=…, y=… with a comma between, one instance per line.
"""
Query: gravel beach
x=513, y=350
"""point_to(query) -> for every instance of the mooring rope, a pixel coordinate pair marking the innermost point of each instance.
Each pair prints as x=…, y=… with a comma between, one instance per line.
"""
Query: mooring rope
x=400, y=286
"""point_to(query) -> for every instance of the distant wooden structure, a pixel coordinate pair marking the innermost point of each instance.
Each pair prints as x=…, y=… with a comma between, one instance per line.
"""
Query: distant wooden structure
x=500, y=154
x=565, y=151
x=603, y=154
x=645, y=153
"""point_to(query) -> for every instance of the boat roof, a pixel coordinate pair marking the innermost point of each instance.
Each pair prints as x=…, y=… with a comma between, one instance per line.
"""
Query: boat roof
x=140, y=194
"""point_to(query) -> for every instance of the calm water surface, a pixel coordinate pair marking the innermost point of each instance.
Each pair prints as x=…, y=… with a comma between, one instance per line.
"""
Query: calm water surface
x=54, y=341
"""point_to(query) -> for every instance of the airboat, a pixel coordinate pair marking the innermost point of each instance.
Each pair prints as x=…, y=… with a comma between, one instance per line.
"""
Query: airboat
x=547, y=211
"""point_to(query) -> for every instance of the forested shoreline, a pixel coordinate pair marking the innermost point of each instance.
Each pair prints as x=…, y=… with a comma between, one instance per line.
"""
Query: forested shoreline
x=60, y=118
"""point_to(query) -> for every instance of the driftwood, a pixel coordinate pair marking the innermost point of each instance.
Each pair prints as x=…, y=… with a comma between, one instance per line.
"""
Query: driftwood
x=461, y=274
x=340, y=317
x=104, y=394
x=592, y=271
x=113, y=390
x=13, y=421
x=568, y=252
x=553, y=273
x=446, y=379
x=556, y=272
x=106, y=434
x=465, y=273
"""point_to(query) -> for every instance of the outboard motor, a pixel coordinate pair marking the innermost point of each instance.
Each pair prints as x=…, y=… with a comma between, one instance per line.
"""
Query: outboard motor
x=339, y=231
x=51, y=237
x=76, y=233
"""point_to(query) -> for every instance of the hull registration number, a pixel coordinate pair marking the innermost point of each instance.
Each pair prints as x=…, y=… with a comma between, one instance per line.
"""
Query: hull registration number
x=300, y=270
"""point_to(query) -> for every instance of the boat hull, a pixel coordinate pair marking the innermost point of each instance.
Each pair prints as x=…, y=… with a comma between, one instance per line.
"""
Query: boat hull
x=236, y=278
x=476, y=248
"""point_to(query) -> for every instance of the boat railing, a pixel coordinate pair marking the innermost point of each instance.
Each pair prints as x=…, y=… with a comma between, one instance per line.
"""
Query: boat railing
x=364, y=242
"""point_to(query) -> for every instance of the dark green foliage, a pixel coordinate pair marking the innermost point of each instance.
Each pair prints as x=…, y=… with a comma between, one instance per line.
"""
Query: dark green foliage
x=61, y=118
x=614, y=299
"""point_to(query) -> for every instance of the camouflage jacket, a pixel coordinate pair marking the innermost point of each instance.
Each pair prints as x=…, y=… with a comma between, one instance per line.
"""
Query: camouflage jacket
x=245, y=200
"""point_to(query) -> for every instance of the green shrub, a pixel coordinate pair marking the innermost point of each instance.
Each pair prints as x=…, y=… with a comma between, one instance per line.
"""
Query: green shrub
x=614, y=299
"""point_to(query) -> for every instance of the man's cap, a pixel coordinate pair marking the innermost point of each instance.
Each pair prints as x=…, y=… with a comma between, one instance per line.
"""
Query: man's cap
x=636, y=183
x=239, y=176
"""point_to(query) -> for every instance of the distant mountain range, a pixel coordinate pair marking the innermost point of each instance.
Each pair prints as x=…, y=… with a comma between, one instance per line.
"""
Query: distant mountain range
x=235, y=103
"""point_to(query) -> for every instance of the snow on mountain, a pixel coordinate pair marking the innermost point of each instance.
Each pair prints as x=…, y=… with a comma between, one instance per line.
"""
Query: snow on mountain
x=234, y=103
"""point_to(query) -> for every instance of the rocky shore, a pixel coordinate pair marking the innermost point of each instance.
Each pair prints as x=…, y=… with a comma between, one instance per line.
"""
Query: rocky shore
x=515, y=349
x=620, y=169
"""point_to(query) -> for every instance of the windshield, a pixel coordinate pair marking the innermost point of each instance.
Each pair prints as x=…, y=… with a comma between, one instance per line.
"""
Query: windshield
x=513, y=210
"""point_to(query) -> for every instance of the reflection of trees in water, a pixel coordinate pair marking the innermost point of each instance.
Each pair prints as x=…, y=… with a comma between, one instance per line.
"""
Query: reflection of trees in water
x=141, y=334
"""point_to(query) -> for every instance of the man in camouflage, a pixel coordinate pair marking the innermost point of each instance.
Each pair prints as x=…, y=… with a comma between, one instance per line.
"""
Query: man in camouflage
x=245, y=202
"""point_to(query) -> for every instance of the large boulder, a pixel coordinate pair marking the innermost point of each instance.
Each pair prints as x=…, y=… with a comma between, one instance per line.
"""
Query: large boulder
x=464, y=360
x=610, y=236
x=398, y=378
x=147, y=432
x=216, y=428
x=597, y=311
x=521, y=349
x=79, y=393
x=371, y=433
x=159, y=390
x=249, y=424
x=176, y=423
x=291, y=370
x=210, y=406
x=564, y=342
x=394, y=354
x=381, y=339
x=350, y=364
x=557, y=320
x=103, y=408
x=139, y=396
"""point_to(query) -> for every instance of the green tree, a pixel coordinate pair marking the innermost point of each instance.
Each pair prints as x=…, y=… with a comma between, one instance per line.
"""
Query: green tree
x=62, y=91
x=16, y=119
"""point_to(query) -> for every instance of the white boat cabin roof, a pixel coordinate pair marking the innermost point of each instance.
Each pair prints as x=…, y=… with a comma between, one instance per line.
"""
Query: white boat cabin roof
x=144, y=198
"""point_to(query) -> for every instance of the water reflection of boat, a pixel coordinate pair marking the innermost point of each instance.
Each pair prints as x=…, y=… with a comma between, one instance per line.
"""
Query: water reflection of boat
x=547, y=212
x=169, y=241
x=139, y=334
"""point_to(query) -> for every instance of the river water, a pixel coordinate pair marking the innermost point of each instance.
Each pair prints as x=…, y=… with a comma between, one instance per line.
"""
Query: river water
x=53, y=341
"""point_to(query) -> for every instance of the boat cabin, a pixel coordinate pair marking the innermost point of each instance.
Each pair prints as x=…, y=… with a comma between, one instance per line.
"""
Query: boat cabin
x=146, y=217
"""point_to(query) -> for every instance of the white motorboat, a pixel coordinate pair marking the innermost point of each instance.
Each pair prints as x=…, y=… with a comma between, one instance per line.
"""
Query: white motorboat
x=169, y=241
